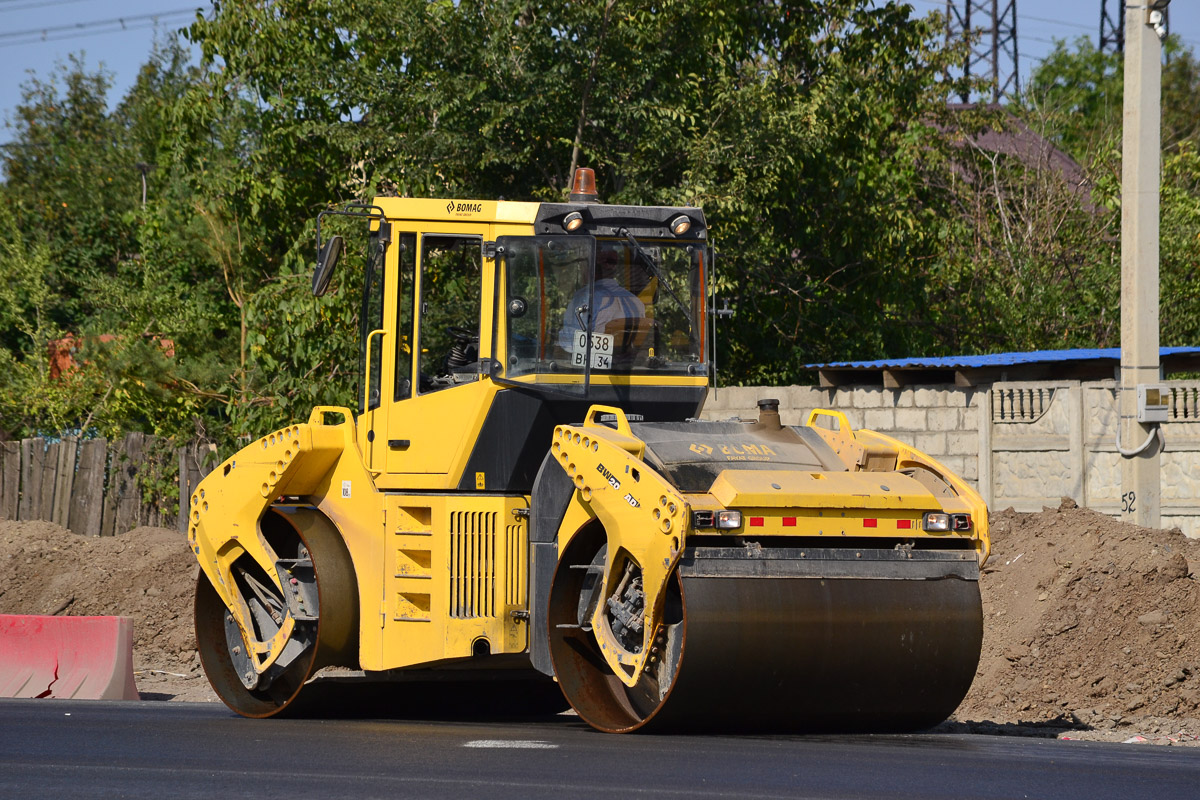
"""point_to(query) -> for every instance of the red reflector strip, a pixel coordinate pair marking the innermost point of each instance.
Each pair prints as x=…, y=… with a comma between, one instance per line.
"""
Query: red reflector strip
x=904, y=523
x=870, y=523
x=756, y=522
x=789, y=522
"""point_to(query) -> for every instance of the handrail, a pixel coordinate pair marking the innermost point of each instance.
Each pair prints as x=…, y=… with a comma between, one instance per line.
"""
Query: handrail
x=843, y=423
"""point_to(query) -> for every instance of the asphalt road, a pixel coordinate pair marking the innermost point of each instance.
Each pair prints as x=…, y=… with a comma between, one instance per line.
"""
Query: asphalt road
x=76, y=749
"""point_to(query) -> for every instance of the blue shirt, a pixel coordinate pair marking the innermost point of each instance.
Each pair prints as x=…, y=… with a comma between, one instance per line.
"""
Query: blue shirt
x=612, y=301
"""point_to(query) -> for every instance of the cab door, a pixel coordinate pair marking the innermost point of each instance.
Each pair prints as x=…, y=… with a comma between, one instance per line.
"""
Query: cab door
x=428, y=429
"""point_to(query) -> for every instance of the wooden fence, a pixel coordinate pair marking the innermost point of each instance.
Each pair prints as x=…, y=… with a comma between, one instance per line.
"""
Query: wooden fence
x=93, y=488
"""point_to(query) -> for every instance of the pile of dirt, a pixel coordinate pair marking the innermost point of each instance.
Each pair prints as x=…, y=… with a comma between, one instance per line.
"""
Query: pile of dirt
x=1090, y=621
x=1090, y=624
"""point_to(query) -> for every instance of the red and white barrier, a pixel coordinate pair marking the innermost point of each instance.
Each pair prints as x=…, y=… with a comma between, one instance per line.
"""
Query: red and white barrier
x=84, y=658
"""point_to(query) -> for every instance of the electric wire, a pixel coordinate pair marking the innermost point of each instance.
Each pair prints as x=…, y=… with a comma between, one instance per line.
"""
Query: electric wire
x=39, y=5
x=98, y=23
x=72, y=32
x=39, y=40
x=941, y=4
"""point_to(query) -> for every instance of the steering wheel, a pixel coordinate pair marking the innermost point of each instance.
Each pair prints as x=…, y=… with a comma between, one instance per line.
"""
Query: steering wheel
x=464, y=349
x=460, y=334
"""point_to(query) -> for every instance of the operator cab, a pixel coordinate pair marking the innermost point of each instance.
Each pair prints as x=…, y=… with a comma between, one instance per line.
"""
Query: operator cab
x=581, y=309
x=506, y=319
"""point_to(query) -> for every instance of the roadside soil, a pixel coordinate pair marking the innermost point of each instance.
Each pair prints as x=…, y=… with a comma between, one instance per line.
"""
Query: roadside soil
x=1090, y=630
x=1091, y=625
x=147, y=574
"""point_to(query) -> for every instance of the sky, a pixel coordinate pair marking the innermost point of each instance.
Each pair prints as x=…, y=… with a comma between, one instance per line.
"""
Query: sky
x=118, y=34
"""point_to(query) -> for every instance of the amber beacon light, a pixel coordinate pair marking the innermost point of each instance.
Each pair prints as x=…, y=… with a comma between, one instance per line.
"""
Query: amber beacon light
x=583, y=187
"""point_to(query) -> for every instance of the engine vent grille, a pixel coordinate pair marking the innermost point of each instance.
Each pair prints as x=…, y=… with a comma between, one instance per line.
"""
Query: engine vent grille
x=514, y=547
x=472, y=564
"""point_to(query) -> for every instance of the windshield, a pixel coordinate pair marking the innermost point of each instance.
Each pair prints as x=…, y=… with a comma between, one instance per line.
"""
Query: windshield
x=644, y=309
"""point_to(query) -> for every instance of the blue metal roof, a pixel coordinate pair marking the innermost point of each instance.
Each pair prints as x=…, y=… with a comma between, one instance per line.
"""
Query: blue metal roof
x=998, y=359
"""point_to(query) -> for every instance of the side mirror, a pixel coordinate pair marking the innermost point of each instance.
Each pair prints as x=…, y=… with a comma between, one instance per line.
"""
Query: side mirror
x=327, y=258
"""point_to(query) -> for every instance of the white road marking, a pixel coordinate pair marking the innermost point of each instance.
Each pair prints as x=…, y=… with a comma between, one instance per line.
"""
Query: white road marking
x=511, y=744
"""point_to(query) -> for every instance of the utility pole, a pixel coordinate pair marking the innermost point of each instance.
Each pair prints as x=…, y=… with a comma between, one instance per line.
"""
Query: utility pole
x=1140, y=155
x=1112, y=25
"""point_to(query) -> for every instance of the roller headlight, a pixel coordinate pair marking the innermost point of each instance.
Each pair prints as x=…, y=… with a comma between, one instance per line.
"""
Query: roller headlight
x=728, y=520
x=572, y=222
x=939, y=521
x=936, y=522
x=681, y=225
x=721, y=520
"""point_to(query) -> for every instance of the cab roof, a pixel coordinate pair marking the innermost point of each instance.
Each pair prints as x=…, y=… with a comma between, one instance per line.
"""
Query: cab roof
x=599, y=219
x=455, y=210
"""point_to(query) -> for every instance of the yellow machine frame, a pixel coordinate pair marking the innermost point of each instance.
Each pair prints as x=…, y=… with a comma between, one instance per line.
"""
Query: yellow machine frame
x=443, y=574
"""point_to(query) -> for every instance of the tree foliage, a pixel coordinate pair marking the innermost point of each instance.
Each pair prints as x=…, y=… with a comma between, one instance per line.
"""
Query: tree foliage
x=1075, y=97
x=170, y=240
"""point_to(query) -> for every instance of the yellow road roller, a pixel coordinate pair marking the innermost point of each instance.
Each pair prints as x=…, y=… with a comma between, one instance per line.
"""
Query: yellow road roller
x=523, y=495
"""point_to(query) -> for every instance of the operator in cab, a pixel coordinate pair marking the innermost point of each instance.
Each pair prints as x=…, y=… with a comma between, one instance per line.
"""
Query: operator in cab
x=616, y=308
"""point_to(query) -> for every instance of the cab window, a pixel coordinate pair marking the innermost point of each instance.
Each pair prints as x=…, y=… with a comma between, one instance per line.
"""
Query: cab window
x=370, y=320
x=451, y=278
x=405, y=290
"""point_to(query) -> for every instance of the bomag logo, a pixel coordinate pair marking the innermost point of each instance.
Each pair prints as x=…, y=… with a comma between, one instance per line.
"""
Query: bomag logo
x=702, y=449
x=463, y=208
x=612, y=480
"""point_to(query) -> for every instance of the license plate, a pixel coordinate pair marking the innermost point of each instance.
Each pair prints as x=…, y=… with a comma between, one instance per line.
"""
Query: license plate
x=602, y=349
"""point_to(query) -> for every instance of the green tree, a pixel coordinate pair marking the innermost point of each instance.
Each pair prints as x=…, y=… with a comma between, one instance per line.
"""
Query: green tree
x=800, y=126
x=86, y=199
x=853, y=217
x=1072, y=263
x=1079, y=90
x=61, y=172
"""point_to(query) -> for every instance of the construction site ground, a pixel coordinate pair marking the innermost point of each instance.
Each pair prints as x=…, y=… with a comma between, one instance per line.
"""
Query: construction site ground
x=1091, y=625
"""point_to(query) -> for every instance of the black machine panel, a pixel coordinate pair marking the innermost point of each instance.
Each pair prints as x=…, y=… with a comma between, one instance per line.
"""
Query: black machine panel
x=517, y=430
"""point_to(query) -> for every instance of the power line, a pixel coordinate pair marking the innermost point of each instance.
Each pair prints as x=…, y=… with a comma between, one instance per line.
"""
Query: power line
x=42, y=4
x=98, y=23
x=90, y=33
x=1079, y=25
x=941, y=5
x=83, y=35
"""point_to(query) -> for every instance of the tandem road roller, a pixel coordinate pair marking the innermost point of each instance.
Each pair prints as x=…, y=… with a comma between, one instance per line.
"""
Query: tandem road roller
x=524, y=493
